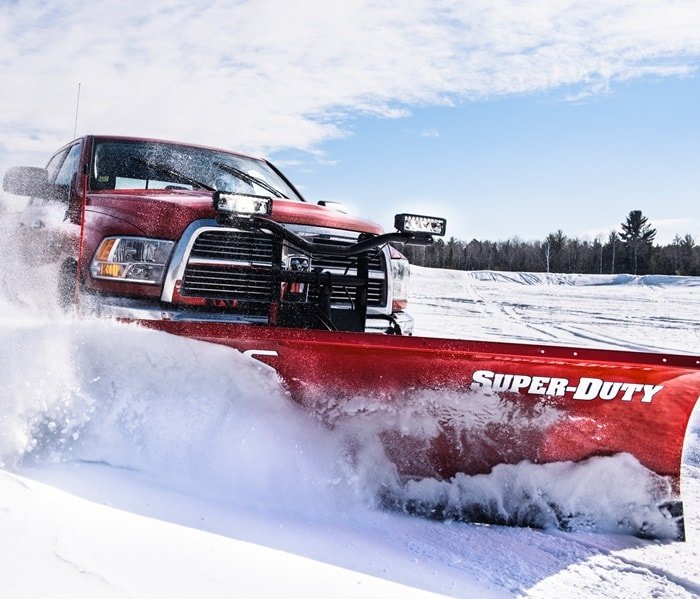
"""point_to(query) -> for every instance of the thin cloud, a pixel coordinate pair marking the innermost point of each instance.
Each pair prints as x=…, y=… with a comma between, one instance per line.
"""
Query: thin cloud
x=269, y=74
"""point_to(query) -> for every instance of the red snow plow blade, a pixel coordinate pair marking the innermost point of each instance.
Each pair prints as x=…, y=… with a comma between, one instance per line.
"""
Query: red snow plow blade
x=486, y=403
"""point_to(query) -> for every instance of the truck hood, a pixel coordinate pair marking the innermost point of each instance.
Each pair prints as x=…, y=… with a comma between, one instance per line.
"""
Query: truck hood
x=165, y=214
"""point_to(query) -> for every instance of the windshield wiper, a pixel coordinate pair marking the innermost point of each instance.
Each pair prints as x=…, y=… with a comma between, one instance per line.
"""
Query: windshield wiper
x=171, y=172
x=250, y=179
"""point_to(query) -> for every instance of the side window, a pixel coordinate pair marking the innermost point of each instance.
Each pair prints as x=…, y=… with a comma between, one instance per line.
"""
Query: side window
x=69, y=166
x=65, y=176
x=55, y=163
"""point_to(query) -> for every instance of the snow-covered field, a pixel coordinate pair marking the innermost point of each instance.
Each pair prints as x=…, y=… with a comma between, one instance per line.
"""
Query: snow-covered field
x=140, y=465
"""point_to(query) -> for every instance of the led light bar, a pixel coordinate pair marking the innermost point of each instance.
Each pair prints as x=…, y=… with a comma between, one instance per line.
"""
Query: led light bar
x=241, y=204
x=415, y=223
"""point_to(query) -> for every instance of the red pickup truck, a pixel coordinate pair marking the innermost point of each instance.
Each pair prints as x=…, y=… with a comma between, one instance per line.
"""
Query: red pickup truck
x=163, y=230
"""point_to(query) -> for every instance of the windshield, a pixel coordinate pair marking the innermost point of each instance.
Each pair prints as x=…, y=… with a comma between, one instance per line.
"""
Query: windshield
x=122, y=164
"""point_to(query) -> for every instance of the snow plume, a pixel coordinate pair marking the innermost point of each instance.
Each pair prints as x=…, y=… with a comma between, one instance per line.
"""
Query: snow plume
x=27, y=288
x=201, y=418
x=602, y=494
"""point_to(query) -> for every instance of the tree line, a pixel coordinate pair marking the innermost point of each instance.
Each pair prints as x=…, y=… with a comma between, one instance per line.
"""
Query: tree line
x=630, y=249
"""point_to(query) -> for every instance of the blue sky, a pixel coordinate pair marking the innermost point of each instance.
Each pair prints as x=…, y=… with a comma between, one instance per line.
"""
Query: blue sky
x=525, y=166
x=509, y=117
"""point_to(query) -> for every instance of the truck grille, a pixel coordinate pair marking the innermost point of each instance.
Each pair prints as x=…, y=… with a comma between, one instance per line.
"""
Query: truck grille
x=249, y=246
x=252, y=284
x=237, y=265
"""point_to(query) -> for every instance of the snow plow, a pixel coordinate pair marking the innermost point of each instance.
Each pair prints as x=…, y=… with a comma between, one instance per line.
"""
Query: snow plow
x=220, y=247
x=481, y=404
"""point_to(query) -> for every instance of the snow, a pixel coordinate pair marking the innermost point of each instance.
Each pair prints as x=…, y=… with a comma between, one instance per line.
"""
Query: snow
x=643, y=313
x=136, y=464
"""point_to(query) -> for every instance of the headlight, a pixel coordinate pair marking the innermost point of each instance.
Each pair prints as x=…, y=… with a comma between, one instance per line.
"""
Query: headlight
x=131, y=259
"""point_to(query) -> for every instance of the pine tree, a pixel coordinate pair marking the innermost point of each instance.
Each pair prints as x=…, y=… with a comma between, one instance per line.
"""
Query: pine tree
x=638, y=236
x=554, y=247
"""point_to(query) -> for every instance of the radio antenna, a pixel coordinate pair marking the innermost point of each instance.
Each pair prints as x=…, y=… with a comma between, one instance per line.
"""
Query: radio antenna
x=77, y=107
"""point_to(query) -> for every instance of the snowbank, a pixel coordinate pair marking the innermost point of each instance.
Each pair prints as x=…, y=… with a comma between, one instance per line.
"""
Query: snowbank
x=543, y=278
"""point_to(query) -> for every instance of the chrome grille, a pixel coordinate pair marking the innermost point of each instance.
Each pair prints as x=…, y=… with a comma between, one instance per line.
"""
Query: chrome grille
x=237, y=265
x=244, y=246
x=253, y=284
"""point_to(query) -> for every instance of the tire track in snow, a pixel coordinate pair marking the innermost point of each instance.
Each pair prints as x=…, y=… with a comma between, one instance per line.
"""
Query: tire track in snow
x=611, y=561
x=622, y=564
x=555, y=310
x=508, y=316
x=599, y=339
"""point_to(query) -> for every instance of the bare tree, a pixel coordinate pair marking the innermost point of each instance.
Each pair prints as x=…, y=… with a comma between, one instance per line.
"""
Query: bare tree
x=612, y=241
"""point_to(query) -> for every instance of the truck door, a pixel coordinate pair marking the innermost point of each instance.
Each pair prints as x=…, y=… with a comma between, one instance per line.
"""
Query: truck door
x=47, y=231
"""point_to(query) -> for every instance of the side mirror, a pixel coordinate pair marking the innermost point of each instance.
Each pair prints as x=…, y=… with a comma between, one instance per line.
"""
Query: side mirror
x=337, y=206
x=26, y=181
